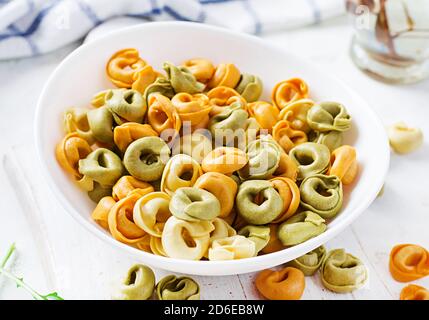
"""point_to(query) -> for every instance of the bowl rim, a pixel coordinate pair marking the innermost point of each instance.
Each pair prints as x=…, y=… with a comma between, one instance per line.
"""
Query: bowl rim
x=189, y=266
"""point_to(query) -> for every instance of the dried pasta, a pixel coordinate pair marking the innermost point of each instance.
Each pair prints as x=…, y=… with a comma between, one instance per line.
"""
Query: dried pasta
x=285, y=284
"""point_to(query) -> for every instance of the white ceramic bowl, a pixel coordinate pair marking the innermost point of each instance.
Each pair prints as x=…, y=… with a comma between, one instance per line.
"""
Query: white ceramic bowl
x=82, y=74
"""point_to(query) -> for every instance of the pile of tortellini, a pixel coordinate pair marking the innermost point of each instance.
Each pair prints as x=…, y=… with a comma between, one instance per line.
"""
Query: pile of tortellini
x=190, y=164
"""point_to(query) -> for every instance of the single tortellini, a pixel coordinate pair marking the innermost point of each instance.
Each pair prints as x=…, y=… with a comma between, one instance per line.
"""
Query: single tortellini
x=232, y=248
x=101, y=211
x=100, y=121
x=177, y=288
x=221, y=97
x=265, y=114
x=122, y=65
x=331, y=139
x=329, y=116
x=274, y=244
x=290, y=194
x=296, y=114
x=228, y=126
x=408, y=262
x=310, y=262
x=163, y=117
x=121, y=222
x=322, y=195
x=196, y=145
x=264, y=157
x=194, y=204
x=300, y=228
x=288, y=91
x=128, y=132
x=258, y=202
x=344, y=164
x=180, y=171
x=342, y=272
x=76, y=120
x=221, y=230
x=404, y=139
x=285, y=284
x=222, y=187
x=126, y=105
x=202, y=69
x=182, y=80
x=260, y=235
x=225, y=160
x=151, y=212
x=226, y=74
x=127, y=185
x=138, y=284
x=414, y=292
x=186, y=240
x=311, y=158
x=250, y=87
x=70, y=151
x=287, y=137
x=161, y=86
x=145, y=158
x=192, y=109
x=143, y=78
x=102, y=166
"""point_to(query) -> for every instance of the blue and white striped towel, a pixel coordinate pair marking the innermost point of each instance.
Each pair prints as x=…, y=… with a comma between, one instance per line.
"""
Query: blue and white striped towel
x=31, y=27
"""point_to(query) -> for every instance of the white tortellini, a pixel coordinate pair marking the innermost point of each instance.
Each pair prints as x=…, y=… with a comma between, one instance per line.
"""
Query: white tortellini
x=232, y=248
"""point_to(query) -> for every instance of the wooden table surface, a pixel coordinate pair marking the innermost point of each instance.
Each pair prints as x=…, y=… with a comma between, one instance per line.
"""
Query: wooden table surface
x=55, y=253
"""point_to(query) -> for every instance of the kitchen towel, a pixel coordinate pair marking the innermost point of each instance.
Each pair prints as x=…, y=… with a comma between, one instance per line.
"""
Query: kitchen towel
x=32, y=27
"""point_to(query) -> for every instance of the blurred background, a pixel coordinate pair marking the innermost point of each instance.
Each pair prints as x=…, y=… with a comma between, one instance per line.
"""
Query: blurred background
x=374, y=46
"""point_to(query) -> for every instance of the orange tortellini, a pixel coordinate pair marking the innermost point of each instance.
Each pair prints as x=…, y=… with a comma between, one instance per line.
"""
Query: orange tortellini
x=289, y=91
x=195, y=162
x=408, y=262
x=285, y=284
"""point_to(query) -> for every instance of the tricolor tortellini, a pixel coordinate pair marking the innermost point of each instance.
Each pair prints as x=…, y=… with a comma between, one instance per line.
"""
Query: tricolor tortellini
x=193, y=162
x=342, y=272
x=138, y=284
x=310, y=262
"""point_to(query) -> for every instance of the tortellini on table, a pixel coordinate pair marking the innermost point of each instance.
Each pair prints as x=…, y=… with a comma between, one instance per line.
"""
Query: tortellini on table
x=310, y=262
x=138, y=284
x=408, y=262
x=342, y=272
x=177, y=288
x=285, y=284
x=404, y=139
x=414, y=292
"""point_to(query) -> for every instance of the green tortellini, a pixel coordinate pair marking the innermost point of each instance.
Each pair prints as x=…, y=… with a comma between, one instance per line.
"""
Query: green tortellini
x=182, y=80
x=258, y=211
x=76, y=120
x=161, y=86
x=194, y=204
x=322, y=194
x=260, y=235
x=342, y=272
x=145, y=158
x=264, y=158
x=311, y=158
x=226, y=123
x=99, y=192
x=300, y=228
x=126, y=105
x=177, y=288
x=101, y=123
x=250, y=87
x=138, y=284
x=331, y=139
x=310, y=262
x=329, y=116
x=102, y=166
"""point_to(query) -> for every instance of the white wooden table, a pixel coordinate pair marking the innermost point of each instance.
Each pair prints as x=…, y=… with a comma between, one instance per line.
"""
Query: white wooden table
x=55, y=253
